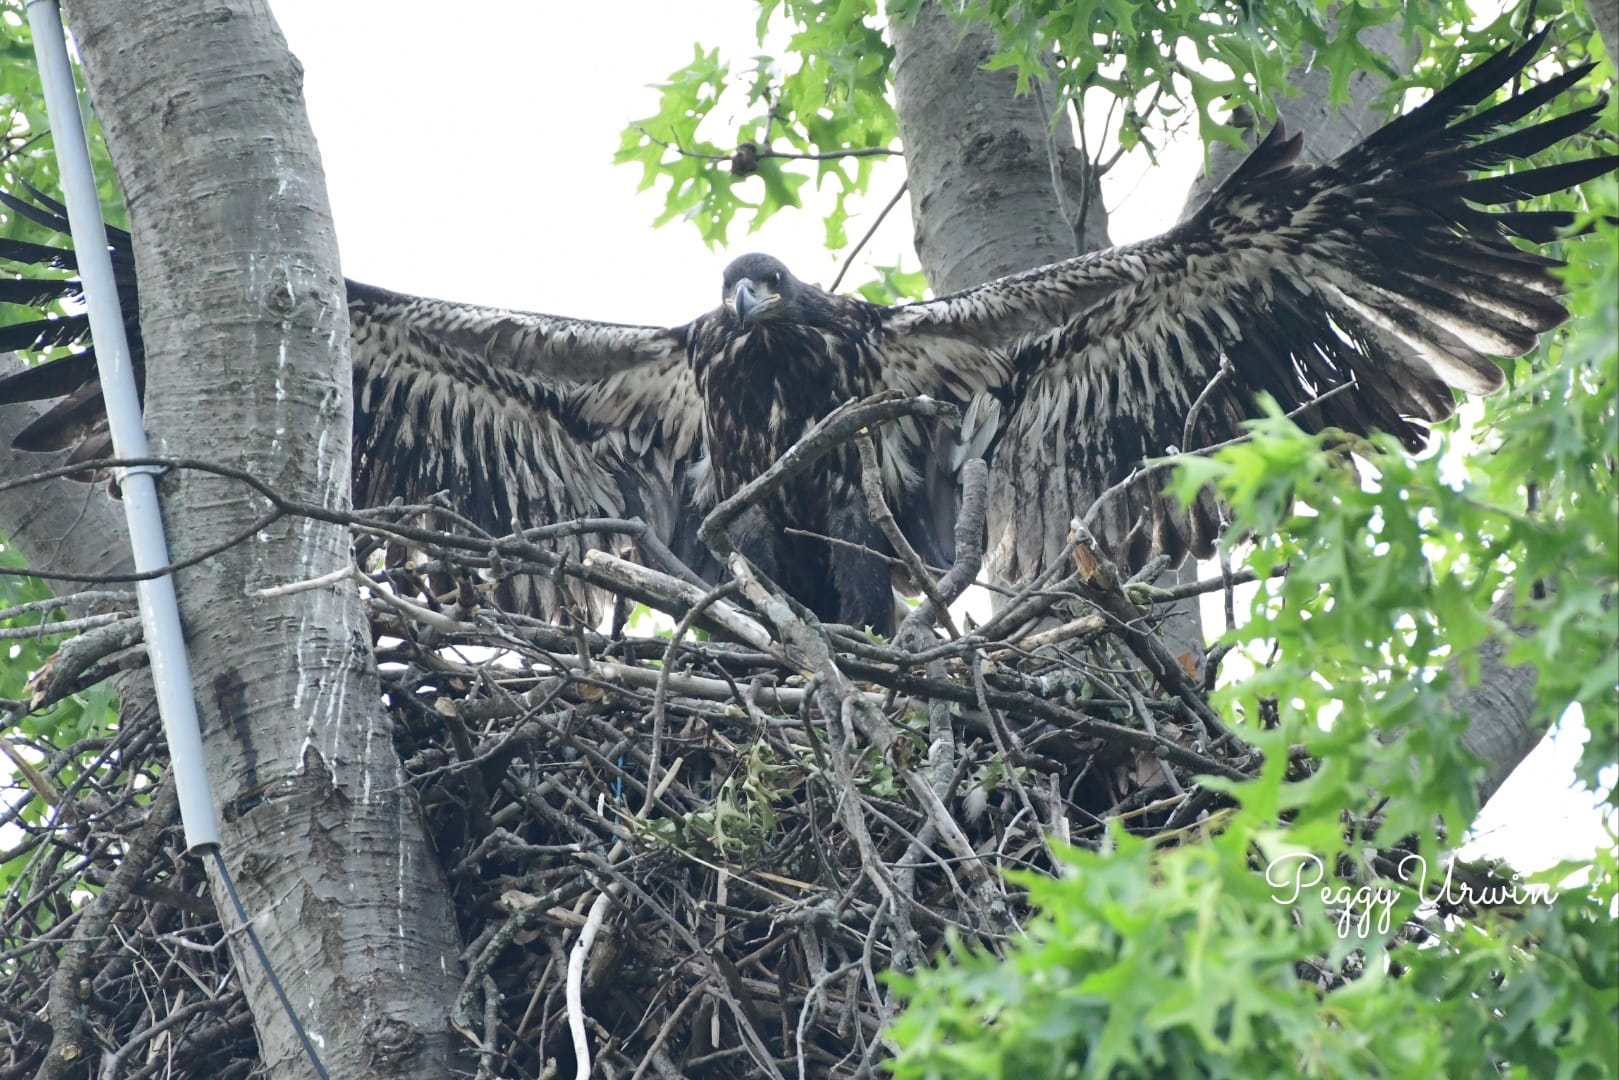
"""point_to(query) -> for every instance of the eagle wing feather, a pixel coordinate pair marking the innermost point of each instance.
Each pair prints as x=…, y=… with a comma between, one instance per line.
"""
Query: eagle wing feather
x=524, y=419
x=1376, y=274
x=1360, y=294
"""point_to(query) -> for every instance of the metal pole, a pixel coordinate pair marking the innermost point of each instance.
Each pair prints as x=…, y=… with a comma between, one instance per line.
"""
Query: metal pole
x=160, y=614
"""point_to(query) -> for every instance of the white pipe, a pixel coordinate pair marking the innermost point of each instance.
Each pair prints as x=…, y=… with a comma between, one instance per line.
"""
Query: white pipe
x=160, y=614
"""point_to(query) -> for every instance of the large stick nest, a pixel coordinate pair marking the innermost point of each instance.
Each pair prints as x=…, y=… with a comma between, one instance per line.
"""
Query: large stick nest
x=753, y=822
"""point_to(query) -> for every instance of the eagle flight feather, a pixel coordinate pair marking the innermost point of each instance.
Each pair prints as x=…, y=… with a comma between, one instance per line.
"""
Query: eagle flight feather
x=1390, y=272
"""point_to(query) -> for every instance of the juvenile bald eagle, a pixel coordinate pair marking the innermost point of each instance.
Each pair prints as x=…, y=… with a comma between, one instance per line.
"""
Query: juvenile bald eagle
x=1379, y=270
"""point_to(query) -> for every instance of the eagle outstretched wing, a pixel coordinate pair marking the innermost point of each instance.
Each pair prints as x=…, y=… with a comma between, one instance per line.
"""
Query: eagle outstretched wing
x=1360, y=294
x=1382, y=270
x=525, y=419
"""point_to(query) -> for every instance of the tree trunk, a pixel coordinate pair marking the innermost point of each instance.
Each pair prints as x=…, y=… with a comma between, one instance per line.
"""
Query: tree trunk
x=1605, y=13
x=246, y=331
x=995, y=186
x=1501, y=724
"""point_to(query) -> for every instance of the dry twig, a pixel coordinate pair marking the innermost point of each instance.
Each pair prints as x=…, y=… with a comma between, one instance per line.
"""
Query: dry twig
x=757, y=824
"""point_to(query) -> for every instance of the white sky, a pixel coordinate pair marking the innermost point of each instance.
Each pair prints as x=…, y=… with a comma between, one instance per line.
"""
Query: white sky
x=468, y=154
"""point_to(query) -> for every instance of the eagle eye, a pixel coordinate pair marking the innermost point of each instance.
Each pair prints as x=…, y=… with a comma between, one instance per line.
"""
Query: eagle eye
x=774, y=280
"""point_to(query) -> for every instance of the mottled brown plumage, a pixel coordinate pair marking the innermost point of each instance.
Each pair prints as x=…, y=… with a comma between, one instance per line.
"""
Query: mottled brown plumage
x=1378, y=270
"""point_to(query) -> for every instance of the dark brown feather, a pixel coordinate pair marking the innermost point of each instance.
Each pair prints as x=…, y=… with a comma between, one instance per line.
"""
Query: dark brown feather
x=1385, y=273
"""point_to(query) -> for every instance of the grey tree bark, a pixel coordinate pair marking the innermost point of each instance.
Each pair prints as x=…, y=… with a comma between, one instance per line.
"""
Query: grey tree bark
x=1605, y=13
x=993, y=185
x=246, y=331
x=1501, y=725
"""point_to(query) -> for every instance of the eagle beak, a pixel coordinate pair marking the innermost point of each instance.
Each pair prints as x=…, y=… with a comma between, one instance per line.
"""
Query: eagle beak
x=745, y=299
x=752, y=301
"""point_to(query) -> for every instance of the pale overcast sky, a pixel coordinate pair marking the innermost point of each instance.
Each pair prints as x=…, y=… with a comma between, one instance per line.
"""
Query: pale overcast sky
x=469, y=150
x=468, y=153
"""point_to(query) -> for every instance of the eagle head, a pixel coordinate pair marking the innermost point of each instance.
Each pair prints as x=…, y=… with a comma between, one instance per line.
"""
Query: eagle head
x=758, y=289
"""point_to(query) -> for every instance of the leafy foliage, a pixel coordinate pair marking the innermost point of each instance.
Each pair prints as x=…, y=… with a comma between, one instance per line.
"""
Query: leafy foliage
x=893, y=285
x=825, y=102
x=1138, y=52
x=817, y=105
x=25, y=128
x=1184, y=962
